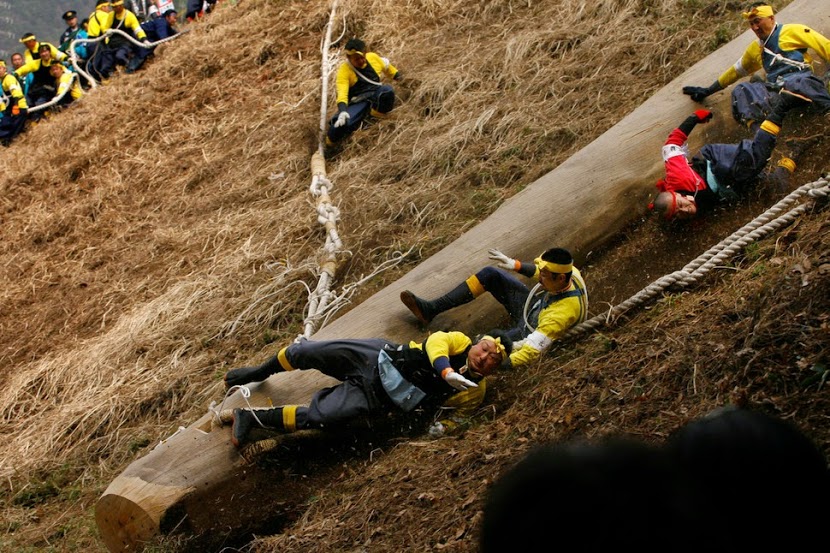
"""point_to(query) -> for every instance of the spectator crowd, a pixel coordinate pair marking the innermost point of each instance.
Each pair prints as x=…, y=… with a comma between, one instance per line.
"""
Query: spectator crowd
x=57, y=76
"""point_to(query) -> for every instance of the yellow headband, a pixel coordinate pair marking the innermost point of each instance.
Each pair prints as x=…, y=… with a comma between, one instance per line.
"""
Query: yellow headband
x=498, y=343
x=27, y=38
x=2, y=63
x=758, y=11
x=352, y=52
x=553, y=267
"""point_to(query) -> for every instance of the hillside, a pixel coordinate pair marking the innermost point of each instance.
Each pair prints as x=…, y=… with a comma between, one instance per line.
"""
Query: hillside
x=144, y=229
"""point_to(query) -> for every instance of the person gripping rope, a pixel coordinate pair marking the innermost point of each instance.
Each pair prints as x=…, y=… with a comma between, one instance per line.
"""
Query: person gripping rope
x=67, y=84
x=538, y=317
x=360, y=90
x=13, y=105
x=156, y=29
x=121, y=47
x=446, y=370
x=42, y=88
x=719, y=172
x=782, y=52
x=100, y=62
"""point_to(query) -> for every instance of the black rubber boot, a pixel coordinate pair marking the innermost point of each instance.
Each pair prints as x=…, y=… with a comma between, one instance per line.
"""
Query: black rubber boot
x=425, y=310
x=244, y=375
x=244, y=422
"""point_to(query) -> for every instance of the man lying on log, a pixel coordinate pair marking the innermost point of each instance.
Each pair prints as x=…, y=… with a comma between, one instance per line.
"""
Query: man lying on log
x=538, y=317
x=720, y=172
x=377, y=376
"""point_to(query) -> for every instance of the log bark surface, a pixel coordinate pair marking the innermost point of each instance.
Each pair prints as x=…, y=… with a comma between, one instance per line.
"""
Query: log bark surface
x=589, y=198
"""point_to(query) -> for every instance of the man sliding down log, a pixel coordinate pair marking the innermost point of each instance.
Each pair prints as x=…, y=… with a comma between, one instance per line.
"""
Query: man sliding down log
x=446, y=371
x=538, y=317
x=720, y=172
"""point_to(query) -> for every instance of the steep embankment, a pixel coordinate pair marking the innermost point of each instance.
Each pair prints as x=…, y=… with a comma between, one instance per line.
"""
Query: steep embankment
x=154, y=236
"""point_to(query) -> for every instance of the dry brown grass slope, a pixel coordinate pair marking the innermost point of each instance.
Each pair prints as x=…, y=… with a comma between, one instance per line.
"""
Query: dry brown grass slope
x=141, y=226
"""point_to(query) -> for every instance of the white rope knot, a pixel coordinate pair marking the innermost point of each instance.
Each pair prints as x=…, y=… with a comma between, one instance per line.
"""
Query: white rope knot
x=327, y=213
x=320, y=185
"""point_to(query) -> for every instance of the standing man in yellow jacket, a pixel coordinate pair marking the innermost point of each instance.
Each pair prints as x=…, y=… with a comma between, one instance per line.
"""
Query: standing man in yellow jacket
x=782, y=51
x=360, y=90
x=100, y=61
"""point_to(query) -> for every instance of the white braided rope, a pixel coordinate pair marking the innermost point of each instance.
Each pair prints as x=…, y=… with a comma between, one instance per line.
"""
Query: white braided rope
x=328, y=58
x=766, y=223
x=327, y=213
x=222, y=416
x=57, y=98
x=74, y=57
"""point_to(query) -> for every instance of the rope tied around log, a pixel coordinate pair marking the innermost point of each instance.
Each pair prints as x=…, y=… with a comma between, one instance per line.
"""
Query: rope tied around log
x=222, y=416
x=766, y=223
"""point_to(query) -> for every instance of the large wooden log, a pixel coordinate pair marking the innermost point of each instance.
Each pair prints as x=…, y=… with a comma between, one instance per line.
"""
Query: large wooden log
x=195, y=476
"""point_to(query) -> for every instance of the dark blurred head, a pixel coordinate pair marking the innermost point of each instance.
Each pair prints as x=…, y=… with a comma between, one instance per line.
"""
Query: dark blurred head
x=584, y=497
x=762, y=483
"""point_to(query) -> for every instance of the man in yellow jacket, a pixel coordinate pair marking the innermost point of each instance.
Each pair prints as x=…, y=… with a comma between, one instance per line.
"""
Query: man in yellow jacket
x=445, y=372
x=126, y=21
x=100, y=60
x=42, y=88
x=12, y=104
x=360, y=90
x=782, y=51
x=538, y=317
x=33, y=49
x=67, y=83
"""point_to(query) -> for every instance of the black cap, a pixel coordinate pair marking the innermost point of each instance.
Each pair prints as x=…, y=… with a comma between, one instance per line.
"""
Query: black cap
x=69, y=15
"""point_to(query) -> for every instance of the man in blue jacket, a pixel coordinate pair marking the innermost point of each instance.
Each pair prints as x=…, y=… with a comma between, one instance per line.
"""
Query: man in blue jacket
x=156, y=29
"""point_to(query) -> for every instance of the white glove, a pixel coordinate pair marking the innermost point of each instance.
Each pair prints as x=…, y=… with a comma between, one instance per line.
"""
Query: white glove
x=436, y=430
x=342, y=119
x=502, y=261
x=459, y=382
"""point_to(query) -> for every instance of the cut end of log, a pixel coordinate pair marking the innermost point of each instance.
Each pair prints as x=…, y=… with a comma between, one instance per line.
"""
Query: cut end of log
x=123, y=524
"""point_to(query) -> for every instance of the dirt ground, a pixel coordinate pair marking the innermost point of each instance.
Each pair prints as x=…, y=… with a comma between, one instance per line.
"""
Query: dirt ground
x=135, y=262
